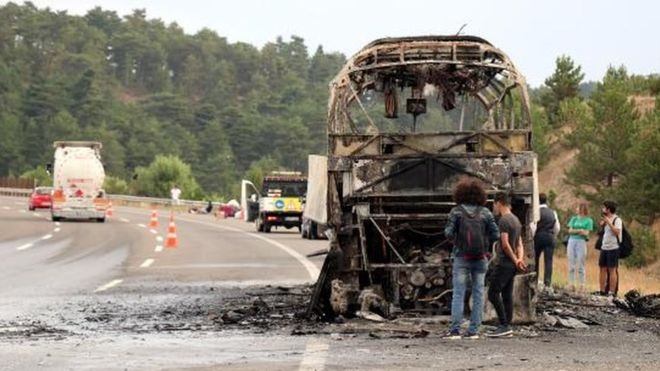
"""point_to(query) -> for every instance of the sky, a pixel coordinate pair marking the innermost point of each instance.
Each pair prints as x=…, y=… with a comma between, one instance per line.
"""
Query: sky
x=595, y=34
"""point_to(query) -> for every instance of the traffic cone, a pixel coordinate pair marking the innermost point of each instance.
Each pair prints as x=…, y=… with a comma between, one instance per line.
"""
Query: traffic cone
x=108, y=211
x=171, y=241
x=153, y=224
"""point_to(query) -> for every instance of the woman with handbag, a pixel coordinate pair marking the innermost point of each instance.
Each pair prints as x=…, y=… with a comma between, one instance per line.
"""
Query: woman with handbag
x=579, y=228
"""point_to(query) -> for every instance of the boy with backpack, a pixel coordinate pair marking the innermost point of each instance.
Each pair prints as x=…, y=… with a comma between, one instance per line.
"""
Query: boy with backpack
x=509, y=259
x=471, y=227
x=608, y=261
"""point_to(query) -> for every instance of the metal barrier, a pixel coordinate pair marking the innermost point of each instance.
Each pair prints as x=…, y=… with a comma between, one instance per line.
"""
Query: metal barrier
x=138, y=201
x=15, y=192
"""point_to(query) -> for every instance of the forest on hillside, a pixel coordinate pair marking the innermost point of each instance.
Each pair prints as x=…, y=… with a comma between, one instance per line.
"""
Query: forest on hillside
x=167, y=105
x=144, y=88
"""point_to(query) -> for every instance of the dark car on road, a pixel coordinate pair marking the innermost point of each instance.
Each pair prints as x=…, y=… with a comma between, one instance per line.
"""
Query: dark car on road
x=40, y=198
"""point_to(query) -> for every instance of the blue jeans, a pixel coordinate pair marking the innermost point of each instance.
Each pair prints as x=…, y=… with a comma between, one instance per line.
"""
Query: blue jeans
x=464, y=270
x=577, y=255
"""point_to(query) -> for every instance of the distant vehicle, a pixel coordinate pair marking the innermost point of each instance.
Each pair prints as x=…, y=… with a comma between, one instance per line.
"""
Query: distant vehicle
x=280, y=201
x=315, y=210
x=78, y=177
x=40, y=198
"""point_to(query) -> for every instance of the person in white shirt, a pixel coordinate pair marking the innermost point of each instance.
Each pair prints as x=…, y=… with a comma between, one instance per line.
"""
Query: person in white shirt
x=609, y=253
x=175, y=193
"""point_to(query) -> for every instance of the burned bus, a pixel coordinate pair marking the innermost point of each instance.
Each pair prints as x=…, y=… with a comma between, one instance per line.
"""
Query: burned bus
x=407, y=117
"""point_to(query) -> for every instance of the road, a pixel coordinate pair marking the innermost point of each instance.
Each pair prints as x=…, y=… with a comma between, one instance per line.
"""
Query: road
x=83, y=295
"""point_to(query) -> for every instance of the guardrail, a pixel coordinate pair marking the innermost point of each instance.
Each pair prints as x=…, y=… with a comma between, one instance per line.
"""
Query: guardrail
x=15, y=192
x=125, y=200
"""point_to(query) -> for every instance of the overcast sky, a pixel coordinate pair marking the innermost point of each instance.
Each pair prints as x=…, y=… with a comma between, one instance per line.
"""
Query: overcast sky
x=533, y=33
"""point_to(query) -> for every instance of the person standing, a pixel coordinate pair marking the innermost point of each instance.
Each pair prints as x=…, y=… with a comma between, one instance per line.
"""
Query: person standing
x=175, y=193
x=579, y=227
x=545, y=235
x=608, y=261
x=509, y=259
x=472, y=228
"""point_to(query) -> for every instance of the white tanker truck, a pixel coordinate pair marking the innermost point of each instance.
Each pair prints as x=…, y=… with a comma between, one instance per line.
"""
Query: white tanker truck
x=78, y=178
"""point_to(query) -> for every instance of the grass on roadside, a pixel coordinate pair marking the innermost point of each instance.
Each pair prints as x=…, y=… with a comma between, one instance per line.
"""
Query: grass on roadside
x=646, y=280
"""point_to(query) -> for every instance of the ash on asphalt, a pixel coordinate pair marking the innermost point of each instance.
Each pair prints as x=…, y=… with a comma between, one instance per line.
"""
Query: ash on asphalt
x=163, y=307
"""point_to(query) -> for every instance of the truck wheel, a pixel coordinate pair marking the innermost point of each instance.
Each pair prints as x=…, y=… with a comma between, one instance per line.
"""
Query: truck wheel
x=55, y=218
x=100, y=220
x=266, y=227
x=258, y=225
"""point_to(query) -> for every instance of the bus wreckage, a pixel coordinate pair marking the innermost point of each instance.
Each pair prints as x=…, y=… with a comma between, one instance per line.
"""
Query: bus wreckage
x=408, y=117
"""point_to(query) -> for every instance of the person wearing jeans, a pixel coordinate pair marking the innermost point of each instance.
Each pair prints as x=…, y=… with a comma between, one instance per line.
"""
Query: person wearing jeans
x=465, y=271
x=579, y=227
x=470, y=198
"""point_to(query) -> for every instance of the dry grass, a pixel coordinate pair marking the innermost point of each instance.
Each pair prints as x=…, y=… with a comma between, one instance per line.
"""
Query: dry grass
x=646, y=280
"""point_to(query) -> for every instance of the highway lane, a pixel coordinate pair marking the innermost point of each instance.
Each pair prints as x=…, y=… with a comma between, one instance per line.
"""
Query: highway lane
x=226, y=251
x=41, y=260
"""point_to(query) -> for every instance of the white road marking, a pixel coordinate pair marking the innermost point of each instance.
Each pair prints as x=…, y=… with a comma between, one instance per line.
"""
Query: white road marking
x=158, y=248
x=18, y=203
x=147, y=263
x=25, y=246
x=142, y=226
x=153, y=231
x=109, y=285
x=56, y=230
x=124, y=220
x=22, y=211
x=311, y=268
x=6, y=207
x=57, y=224
x=36, y=214
x=159, y=238
x=316, y=352
x=47, y=237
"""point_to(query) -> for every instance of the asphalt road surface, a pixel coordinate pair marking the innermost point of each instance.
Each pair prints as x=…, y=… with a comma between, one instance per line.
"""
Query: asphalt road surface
x=112, y=296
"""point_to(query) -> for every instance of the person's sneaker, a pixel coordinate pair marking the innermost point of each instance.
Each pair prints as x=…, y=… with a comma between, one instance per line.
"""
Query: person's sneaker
x=500, y=332
x=452, y=335
x=471, y=336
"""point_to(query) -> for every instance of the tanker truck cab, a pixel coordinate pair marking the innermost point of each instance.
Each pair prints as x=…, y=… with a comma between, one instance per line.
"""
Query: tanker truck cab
x=78, y=177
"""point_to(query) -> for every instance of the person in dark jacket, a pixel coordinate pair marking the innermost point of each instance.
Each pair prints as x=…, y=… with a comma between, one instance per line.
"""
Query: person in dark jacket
x=470, y=198
x=547, y=229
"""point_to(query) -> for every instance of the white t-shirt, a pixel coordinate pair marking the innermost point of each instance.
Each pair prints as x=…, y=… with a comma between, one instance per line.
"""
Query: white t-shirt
x=610, y=241
x=176, y=192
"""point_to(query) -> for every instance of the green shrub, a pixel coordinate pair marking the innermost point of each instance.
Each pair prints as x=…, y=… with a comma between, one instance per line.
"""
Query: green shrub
x=40, y=175
x=646, y=250
x=115, y=186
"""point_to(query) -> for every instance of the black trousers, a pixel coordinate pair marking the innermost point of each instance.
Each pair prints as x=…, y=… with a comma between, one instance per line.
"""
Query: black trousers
x=544, y=243
x=500, y=291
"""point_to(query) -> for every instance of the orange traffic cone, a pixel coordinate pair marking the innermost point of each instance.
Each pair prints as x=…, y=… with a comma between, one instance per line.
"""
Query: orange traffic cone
x=171, y=241
x=153, y=224
x=108, y=211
